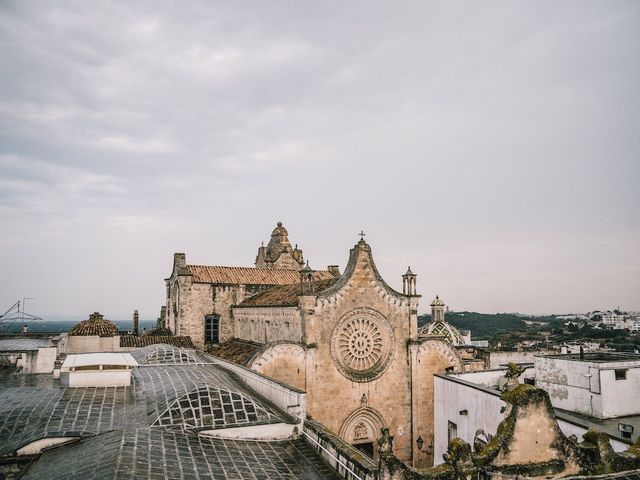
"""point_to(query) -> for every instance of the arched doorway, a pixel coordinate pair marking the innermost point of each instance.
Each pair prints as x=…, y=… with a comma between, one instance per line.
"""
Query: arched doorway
x=362, y=429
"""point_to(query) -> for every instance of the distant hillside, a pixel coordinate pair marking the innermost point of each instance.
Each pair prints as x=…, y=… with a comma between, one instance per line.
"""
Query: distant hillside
x=50, y=326
x=484, y=325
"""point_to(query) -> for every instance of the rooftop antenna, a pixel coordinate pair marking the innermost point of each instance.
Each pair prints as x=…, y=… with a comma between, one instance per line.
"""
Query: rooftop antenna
x=16, y=314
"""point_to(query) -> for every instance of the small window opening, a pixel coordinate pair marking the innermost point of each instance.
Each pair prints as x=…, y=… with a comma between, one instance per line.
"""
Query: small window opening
x=211, y=329
x=621, y=374
x=452, y=431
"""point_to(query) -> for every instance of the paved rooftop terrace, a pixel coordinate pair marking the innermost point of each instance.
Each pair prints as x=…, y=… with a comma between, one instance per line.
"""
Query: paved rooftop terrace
x=156, y=453
x=150, y=429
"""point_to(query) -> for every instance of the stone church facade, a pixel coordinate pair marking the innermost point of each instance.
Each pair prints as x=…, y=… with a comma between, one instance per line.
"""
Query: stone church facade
x=199, y=297
x=351, y=342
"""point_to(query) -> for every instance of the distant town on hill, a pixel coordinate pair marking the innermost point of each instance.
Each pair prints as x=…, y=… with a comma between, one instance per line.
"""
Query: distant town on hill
x=617, y=330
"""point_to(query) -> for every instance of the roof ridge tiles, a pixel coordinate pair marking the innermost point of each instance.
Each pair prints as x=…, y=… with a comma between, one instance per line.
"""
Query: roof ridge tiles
x=249, y=268
x=246, y=275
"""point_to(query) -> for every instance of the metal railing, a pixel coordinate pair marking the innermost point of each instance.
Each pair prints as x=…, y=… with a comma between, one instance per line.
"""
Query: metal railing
x=338, y=461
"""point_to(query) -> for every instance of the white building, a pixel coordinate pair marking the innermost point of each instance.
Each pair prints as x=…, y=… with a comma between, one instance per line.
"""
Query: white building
x=97, y=370
x=28, y=355
x=468, y=405
x=601, y=385
x=618, y=321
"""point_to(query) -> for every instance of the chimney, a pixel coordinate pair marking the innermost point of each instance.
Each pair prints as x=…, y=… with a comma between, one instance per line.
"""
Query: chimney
x=180, y=263
x=136, y=321
x=334, y=270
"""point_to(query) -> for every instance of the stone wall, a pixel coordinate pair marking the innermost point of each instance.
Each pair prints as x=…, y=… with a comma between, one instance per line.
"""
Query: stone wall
x=501, y=358
x=284, y=362
x=345, y=459
x=472, y=402
x=92, y=344
x=429, y=357
x=333, y=397
x=590, y=387
x=528, y=444
x=188, y=303
x=267, y=324
x=289, y=399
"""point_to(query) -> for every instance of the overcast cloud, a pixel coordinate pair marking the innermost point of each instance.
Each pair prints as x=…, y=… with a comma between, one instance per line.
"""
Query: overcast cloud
x=492, y=146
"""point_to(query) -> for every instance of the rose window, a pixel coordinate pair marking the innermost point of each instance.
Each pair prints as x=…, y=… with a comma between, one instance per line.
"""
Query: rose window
x=361, y=344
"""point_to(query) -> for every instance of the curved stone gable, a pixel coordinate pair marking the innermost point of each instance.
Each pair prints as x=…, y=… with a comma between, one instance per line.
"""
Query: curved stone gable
x=295, y=350
x=441, y=347
x=282, y=361
x=360, y=262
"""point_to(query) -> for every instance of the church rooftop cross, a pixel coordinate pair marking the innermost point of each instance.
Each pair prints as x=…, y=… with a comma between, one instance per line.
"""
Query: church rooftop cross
x=362, y=235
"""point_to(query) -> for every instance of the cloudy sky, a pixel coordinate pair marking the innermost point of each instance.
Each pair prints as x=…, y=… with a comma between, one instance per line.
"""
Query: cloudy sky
x=492, y=146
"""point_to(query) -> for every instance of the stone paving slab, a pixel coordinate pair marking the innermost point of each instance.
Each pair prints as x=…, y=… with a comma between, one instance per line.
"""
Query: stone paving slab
x=118, y=440
x=163, y=354
x=158, y=454
x=35, y=406
x=163, y=386
x=27, y=414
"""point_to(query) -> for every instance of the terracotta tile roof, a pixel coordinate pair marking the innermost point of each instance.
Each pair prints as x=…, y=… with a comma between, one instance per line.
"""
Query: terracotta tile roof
x=248, y=276
x=96, y=325
x=160, y=332
x=285, y=295
x=146, y=340
x=236, y=351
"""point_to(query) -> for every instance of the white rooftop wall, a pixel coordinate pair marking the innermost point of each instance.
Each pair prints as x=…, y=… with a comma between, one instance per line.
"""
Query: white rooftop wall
x=590, y=387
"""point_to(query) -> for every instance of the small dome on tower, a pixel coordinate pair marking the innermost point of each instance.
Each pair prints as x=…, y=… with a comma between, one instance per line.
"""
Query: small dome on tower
x=96, y=325
x=437, y=302
x=443, y=329
x=279, y=231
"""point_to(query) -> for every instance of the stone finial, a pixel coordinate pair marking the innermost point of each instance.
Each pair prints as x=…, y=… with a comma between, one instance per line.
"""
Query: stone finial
x=437, y=302
x=306, y=279
x=385, y=443
x=278, y=253
x=458, y=457
x=409, y=283
x=513, y=372
x=437, y=309
x=530, y=436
